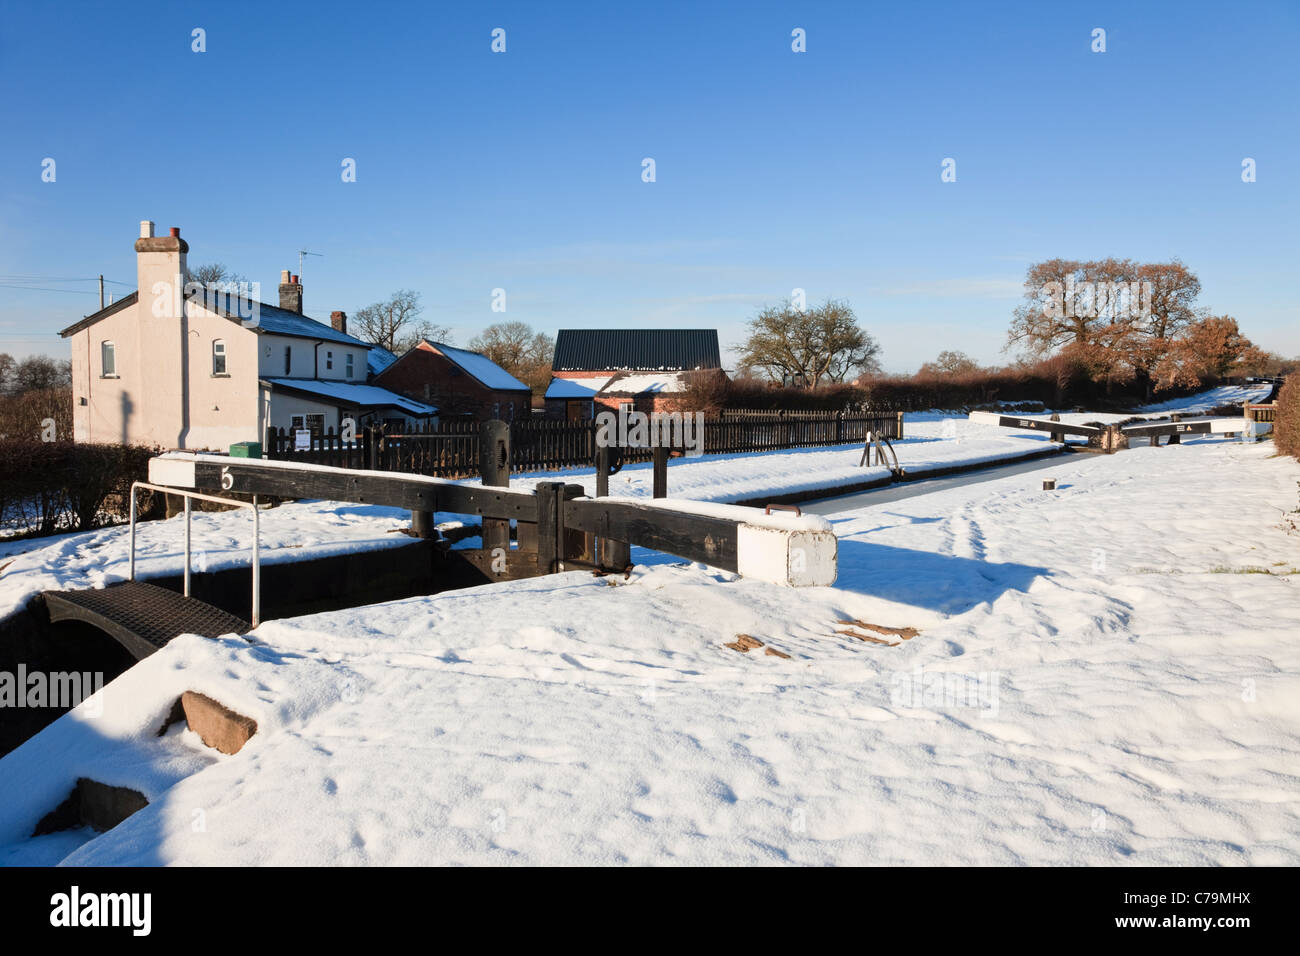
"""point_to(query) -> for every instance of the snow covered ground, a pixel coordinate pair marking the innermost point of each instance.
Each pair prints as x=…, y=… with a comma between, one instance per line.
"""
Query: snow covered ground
x=319, y=529
x=304, y=530
x=1213, y=398
x=1106, y=674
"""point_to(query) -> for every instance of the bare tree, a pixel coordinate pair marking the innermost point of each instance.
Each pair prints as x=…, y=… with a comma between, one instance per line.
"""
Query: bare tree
x=950, y=363
x=519, y=350
x=395, y=324
x=7, y=365
x=216, y=274
x=809, y=347
x=1116, y=317
x=40, y=372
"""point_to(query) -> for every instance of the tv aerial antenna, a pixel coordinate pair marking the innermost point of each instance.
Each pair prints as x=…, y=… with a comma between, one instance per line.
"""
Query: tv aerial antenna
x=304, y=252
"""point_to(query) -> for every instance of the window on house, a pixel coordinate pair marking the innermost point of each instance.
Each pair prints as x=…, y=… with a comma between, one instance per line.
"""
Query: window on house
x=329, y=359
x=218, y=357
x=348, y=364
x=288, y=359
x=108, y=360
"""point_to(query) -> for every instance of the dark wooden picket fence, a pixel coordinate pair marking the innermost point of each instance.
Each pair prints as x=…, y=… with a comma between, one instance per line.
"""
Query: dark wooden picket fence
x=450, y=449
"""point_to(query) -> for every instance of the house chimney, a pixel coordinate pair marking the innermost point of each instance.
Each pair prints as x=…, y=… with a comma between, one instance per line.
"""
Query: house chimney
x=339, y=322
x=290, y=292
x=160, y=276
x=160, y=270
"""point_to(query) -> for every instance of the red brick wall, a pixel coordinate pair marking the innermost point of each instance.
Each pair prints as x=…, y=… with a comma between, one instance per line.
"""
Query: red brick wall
x=429, y=376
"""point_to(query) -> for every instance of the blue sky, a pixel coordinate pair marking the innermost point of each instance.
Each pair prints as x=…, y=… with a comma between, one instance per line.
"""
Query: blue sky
x=775, y=170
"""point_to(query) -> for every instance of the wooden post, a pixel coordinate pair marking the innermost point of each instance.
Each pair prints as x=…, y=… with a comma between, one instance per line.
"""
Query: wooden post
x=900, y=426
x=660, y=489
x=422, y=523
x=604, y=457
x=613, y=555
x=494, y=469
x=550, y=526
x=575, y=544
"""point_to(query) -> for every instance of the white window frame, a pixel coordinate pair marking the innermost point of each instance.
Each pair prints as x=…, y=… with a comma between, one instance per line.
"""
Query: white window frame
x=349, y=365
x=108, y=359
x=219, y=352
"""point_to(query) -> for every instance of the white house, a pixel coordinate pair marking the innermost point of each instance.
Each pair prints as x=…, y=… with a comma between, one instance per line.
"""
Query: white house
x=175, y=365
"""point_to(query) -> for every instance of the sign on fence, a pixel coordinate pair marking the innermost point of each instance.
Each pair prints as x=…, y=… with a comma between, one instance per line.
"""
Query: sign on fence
x=302, y=440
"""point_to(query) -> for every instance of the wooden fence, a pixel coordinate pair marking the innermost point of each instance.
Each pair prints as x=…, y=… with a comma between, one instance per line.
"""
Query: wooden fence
x=450, y=449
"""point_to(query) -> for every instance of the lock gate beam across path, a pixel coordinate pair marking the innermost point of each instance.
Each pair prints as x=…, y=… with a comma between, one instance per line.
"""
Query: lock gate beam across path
x=1111, y=438
x=558, y=528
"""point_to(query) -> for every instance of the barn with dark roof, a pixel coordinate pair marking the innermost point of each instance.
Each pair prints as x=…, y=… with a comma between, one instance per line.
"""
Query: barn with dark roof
x=646, y=369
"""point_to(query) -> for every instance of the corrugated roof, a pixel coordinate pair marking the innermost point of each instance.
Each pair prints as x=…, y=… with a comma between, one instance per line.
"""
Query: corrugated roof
x=642, y=350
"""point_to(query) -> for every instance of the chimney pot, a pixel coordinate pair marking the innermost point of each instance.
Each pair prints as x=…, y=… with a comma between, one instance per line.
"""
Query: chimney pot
x=290, y=292
x=176, y=232
x=146, y=229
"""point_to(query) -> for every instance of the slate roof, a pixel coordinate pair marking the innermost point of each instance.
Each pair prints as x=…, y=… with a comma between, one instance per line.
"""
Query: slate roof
x=348, y=393
x=644, y=350
x=103, y=313
x=272, y=318
x=378, y=359
x=575, y=387
x=482, y=368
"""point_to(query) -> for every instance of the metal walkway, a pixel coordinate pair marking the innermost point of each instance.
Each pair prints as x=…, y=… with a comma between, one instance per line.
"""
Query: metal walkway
x=142, y=617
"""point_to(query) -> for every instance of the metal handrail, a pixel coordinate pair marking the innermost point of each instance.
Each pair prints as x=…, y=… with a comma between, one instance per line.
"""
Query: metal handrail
x=188, y=495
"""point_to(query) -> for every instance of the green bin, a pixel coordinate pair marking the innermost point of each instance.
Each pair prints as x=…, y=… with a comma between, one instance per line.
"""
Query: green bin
x=246, y=449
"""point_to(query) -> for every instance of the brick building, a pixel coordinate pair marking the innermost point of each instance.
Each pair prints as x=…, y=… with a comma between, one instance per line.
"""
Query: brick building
x=646, y=369
x=460, y=382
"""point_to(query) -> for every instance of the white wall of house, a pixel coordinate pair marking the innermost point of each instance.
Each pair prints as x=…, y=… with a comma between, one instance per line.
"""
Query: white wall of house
x=164, y=389
x=327, y=360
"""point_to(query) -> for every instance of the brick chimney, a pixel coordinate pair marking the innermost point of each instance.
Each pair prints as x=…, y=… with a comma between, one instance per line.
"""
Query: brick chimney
x=339, y=322
x=159, y=260
x=290, y=292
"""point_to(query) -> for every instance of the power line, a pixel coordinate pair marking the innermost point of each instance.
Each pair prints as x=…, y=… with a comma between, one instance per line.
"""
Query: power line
x=38, y=289
x=21, y=278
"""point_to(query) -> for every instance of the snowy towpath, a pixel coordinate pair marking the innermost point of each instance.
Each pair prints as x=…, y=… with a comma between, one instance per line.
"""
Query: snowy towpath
x=1104, y=674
